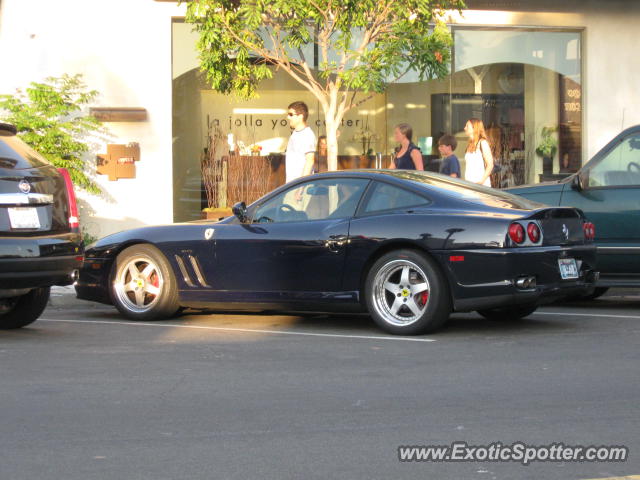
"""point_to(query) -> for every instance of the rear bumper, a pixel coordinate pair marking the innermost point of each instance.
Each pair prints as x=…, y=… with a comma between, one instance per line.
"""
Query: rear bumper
x=27, y=262
x=487, y=278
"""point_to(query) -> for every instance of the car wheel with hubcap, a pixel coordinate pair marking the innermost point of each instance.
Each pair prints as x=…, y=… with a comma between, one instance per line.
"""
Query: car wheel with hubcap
x=17, y=312
x=406, y=294
x=143, y=286
x=505, y=314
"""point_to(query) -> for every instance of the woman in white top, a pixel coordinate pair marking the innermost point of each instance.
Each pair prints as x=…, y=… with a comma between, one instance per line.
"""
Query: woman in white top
x=478, y=158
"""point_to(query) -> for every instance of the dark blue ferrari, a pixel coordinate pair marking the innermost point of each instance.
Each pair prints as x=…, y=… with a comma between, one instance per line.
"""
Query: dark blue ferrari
x=407, y=247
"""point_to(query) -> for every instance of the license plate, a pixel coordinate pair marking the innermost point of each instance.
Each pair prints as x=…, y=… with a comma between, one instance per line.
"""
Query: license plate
x=568, y=268
x=24, y=218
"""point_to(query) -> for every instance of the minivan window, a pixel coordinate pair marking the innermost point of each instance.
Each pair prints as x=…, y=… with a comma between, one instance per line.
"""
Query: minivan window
x=620, y=166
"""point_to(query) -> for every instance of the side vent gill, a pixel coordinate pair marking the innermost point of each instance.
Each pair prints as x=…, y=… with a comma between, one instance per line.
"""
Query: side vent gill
x=183, y=271
x=196, y=268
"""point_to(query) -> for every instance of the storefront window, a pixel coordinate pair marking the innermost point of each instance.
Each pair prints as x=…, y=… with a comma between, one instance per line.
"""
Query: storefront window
x=526, y=86
x=518, y=81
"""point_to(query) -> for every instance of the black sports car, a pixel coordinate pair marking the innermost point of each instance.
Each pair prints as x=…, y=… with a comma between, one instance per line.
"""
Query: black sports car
x=408, y=247
x=40, y=241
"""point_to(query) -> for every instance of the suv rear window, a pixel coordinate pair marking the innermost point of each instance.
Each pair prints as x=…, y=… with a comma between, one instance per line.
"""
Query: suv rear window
x=15, y=154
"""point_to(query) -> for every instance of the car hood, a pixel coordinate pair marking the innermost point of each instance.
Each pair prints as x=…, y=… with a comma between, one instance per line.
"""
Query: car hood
x=173, y=232
x=546, y=187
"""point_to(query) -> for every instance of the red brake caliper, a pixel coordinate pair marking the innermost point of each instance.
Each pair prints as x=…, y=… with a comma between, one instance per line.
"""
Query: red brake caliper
x=424, y=296
x=154, y=280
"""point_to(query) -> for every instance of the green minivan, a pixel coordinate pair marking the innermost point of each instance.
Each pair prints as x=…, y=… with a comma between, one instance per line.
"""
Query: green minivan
x=607, y=190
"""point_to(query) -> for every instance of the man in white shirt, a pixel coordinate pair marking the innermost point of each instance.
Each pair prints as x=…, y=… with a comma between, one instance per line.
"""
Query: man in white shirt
x=302, y=143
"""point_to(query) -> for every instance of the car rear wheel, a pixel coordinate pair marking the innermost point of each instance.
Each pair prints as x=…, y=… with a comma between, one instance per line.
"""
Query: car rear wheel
x=597, y=293
x=506, y=314
x=406, y=294
x=20, y=311
x=143, y=286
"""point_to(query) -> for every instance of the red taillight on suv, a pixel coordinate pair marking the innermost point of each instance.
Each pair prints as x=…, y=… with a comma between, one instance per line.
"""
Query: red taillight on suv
x=534, y=232
x=516, y=233
x=589, y=230
x=74, y=222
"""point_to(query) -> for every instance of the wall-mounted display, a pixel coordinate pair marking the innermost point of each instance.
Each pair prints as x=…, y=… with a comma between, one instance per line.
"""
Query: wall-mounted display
x=119, y=161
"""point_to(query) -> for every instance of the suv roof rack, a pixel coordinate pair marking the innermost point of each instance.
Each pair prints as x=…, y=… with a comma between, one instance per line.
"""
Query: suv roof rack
x=7, y=127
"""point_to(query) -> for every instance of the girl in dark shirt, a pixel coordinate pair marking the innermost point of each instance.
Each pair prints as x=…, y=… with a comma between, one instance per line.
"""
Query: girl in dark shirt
x=409, y=156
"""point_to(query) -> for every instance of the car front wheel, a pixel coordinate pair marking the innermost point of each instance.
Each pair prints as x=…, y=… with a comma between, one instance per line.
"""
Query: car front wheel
x=143, y=286
x=406, y=294
x=20, y=311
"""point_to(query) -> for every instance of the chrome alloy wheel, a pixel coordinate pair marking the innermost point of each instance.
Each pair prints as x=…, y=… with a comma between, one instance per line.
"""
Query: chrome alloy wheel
x=400, y=292
x=138, y=284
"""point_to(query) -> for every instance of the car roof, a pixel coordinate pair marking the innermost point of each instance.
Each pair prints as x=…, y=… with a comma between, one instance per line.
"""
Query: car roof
x=454, y=190
x=15, y=154
x=7, y=128
x=384, y=174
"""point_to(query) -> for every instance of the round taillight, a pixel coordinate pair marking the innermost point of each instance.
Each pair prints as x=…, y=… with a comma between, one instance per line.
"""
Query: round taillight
x=589, y=230
x=534, y=232
x=516, y=233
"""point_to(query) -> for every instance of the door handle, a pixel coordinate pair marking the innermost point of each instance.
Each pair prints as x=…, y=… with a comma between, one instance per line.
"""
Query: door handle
x=335, y=242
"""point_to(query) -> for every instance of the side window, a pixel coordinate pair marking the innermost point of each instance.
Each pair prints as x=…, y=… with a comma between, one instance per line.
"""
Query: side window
x=314, y=200
x=386, y=197
x=620, y=167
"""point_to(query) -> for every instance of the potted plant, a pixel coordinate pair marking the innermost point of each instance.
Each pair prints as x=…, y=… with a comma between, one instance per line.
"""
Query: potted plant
x=366, y=137
x=547, y=148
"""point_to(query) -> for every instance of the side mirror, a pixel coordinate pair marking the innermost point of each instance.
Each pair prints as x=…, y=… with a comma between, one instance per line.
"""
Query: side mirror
x=240, y=211
x=579, y=181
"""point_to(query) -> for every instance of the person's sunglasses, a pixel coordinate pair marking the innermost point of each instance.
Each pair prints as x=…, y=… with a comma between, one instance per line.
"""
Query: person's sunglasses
x=289, y=114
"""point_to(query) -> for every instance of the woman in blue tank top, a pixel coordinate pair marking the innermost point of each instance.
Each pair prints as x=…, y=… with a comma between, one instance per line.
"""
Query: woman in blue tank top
x=409, y=156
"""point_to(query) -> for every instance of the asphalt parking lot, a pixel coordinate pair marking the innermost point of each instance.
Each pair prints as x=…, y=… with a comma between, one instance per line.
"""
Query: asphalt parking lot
x=86, y=394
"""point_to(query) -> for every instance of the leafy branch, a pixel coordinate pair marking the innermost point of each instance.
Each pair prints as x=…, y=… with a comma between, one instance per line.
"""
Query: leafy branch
x=49, y=117
x=363, y=45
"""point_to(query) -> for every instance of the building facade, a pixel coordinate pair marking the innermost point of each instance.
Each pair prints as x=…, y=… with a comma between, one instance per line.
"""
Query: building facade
x=524, y=67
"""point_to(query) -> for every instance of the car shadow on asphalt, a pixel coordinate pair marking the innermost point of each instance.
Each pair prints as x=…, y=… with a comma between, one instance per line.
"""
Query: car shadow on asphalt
x=362, y=324
x=479, y=325
x=610, y=303
x=343, y=324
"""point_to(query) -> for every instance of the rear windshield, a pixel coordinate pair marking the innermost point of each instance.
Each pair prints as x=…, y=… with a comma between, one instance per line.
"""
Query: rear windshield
x=15, y=154
x=467, y=192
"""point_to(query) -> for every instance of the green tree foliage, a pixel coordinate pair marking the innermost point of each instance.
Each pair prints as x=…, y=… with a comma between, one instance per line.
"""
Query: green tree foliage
x=48, y=117
x=362, y=45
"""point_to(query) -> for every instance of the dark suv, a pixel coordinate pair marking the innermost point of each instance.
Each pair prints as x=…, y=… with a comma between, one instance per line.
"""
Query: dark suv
x=40, y=240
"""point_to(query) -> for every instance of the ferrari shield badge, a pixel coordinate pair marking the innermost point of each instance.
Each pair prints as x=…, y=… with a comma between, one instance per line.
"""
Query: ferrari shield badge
x=208, y=233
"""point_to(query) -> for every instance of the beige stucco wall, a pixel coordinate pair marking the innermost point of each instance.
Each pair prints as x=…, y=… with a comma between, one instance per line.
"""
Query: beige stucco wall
x=123, y=49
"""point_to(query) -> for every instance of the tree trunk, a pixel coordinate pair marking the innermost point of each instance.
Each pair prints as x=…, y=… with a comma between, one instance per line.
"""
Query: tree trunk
x=332, y=145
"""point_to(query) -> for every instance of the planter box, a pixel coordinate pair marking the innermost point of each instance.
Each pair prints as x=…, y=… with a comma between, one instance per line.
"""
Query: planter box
x=217, y=214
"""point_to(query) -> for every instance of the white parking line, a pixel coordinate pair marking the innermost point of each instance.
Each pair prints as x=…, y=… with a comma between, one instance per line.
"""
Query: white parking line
x=244, y=330
x=587, y=314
